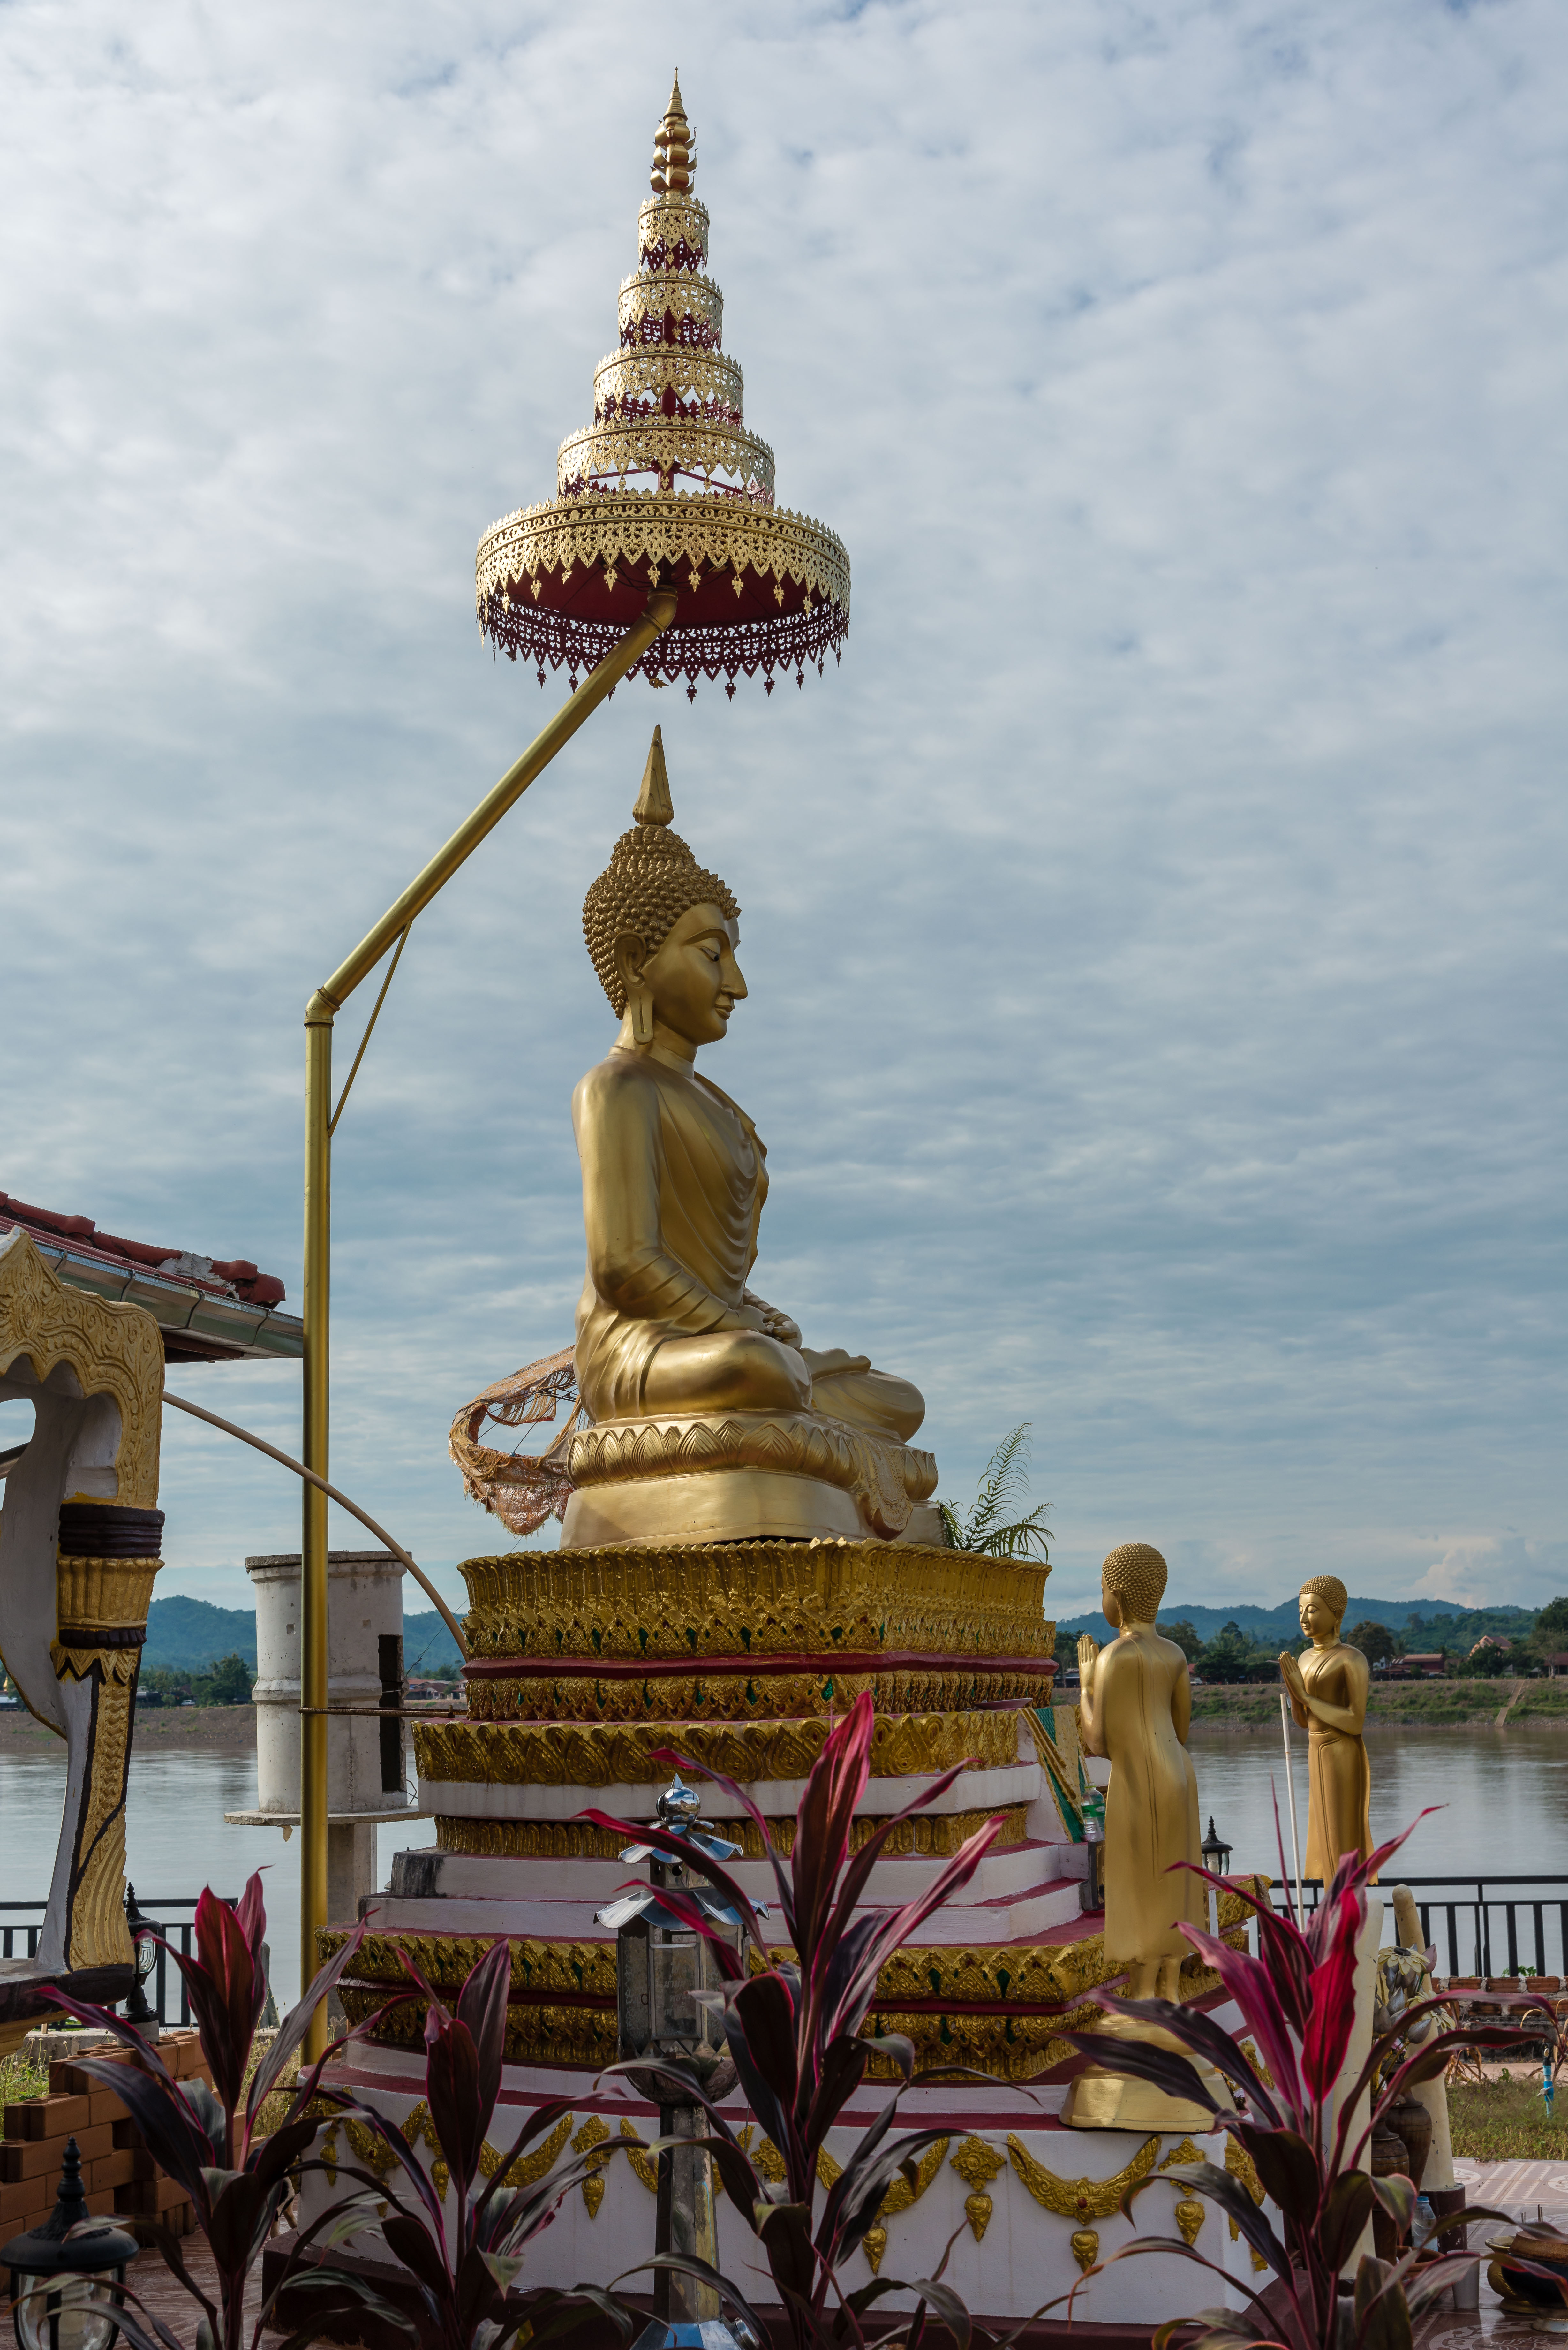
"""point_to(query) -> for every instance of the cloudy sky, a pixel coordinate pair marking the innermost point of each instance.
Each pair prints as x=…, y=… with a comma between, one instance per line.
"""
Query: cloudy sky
x=1154, y=928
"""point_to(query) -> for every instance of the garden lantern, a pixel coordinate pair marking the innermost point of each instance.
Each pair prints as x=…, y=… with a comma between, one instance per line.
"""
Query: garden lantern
x=668, y=1995
x=1092, y=1891
x=66, y=2285
x=665, y=1971
x=142, y=1930
x=1217, y=1861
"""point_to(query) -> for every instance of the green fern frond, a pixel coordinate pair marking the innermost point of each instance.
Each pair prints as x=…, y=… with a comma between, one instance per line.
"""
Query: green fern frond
x=1003, y=1482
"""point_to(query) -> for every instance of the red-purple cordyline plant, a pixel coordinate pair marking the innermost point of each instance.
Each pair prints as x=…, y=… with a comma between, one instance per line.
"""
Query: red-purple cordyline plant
x=210, y=2141
x=1300, y=2129
x=796, y=2040
x=461, y=2275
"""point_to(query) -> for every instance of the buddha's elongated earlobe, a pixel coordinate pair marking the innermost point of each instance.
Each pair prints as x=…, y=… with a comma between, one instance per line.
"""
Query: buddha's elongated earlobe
x=639, y=1003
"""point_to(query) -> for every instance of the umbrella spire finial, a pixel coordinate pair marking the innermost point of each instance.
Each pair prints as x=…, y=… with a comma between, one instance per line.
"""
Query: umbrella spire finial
x=674, y=151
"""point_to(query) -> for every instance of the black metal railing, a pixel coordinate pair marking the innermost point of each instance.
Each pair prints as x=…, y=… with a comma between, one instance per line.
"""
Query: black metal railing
x=1483, y=1929
x=24, y=1920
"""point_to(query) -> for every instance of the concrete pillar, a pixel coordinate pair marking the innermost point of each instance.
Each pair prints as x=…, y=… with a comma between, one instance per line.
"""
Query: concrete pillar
x=366, y=1756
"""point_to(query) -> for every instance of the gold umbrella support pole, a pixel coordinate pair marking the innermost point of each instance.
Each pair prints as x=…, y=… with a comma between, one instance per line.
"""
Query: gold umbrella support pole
x=322, y=1009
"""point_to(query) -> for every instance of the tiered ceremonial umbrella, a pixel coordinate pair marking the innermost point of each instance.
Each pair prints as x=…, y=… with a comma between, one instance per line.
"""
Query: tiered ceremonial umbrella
x=666, y=488
x=663, y=552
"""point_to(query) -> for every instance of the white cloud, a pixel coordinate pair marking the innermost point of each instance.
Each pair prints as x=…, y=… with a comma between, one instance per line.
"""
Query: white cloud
x=1154, y=927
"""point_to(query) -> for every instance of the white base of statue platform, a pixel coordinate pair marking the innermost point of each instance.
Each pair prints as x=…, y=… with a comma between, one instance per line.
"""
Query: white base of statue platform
x=1019, y=2187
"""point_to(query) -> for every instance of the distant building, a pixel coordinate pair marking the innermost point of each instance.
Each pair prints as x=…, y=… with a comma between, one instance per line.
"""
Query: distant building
x=1557, y=1665
x=1428, y=1668
x=1491, y=1640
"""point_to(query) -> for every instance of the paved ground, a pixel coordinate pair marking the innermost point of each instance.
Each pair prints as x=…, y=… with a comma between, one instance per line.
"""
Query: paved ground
x=1524, y=2190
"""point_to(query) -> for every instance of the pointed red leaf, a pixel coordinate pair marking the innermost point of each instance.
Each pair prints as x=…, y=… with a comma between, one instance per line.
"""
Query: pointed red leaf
x=1332, y=2015
x=824, y=1819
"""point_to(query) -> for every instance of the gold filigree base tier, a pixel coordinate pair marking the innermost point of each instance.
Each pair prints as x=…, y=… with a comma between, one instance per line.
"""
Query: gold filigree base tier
x=638, y=1603
x=925, y=1687
x=931, y=1832
x=1005, y=2011
x=625, y=1753
x=744, y=1476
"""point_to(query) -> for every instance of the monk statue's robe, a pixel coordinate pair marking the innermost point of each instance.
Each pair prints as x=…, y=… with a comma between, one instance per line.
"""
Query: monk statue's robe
x=1327, y=1687
x=1339, y=1782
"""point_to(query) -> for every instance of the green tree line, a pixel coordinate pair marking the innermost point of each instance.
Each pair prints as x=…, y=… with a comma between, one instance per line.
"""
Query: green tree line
x=1232, y=1654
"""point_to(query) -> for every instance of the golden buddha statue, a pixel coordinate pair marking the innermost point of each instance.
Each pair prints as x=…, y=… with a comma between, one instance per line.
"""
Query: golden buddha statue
x=712, y=1422
x=1328, y=1699
x=1135, y=1709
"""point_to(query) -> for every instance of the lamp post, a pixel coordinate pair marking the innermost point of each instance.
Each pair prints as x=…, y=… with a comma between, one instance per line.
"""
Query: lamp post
x=1217, y=1861
x=141, y=1929
x=665, y=1977
x=67, y=2279
x=1092, y=1888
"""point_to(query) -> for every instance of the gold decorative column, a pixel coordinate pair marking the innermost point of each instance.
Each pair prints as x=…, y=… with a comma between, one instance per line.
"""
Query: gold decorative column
x=78, y=1551
x=103, y=1600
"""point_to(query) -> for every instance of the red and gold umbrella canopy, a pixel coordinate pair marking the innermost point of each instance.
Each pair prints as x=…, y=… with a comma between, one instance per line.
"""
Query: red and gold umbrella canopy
x=666, y=488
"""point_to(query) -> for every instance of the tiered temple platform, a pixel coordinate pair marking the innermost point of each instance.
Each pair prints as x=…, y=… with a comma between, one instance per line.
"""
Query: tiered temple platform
x=740, y=1655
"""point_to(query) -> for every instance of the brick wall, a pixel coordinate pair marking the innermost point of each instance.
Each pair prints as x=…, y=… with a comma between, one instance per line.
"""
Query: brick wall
x=121, y=2180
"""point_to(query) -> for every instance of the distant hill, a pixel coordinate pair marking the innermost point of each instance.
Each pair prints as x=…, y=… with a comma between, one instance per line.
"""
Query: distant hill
x=427, y=1643
x=1449, y=1625
x=188, y=1635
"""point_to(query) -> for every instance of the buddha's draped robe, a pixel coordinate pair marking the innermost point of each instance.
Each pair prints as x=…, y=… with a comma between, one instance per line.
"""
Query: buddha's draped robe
x=674, y=1178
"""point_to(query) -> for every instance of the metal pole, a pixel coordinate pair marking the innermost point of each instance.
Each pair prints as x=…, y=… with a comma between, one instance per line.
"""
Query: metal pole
x=320, y=1012
x=342, y=1502
x=1291, y=1792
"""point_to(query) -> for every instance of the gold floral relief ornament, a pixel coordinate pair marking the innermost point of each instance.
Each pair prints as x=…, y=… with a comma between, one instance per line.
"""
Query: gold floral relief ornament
x=112, y=1350
x=620, y=1753
x=941, y=1834
x=638, y=1604
x=977, y=2165
x=667, y=487
x=1084, y=2199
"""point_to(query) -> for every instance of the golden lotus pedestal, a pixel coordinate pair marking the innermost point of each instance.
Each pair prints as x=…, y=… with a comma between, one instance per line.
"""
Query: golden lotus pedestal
x=587, y=1666
x=744, y=1476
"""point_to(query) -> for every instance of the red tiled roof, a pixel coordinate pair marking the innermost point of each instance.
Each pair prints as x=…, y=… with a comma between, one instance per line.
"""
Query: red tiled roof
x=222, y=1277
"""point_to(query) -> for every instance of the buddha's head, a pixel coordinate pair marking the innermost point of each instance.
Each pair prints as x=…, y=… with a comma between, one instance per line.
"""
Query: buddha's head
x=1324, y=1600
x=661, y=931
x=1132, y=1584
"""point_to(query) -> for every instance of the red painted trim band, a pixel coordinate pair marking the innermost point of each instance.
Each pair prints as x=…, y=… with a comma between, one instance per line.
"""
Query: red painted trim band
x=657, y=1668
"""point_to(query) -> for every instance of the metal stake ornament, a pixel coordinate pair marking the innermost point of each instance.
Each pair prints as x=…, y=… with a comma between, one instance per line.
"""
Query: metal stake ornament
x=667, y=1986
x=699, y=572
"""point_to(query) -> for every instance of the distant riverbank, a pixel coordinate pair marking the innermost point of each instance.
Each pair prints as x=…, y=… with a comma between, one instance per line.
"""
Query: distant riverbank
x=160, y=1730
x=1434, y=1705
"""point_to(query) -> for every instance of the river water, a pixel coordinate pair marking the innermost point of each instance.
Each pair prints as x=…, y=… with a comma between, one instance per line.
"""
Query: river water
x=1504, y=1798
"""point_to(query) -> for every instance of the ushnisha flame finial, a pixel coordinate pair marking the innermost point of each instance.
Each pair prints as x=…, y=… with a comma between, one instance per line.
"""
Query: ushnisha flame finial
x=654, y=804
x=674, y=148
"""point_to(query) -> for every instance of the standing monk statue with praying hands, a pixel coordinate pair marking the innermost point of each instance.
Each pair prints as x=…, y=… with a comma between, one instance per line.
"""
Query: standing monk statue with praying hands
x=1135, y=1710
x=1328, y=1699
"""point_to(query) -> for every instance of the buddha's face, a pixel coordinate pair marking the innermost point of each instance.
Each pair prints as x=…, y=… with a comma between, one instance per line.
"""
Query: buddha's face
x=1319, y=1621
x=694, y=979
